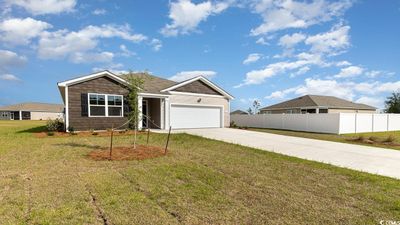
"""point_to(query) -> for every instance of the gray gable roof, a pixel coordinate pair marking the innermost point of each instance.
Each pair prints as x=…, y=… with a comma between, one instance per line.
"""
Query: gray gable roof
x=152, y=84
x=319, y=101
x=35, y=107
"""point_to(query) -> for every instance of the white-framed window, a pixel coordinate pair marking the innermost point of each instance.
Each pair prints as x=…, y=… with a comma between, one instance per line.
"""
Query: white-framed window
x=105, y=105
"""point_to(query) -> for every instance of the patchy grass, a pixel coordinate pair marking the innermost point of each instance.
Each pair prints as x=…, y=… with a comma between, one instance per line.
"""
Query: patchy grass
x=378, y=139
x=51, y=181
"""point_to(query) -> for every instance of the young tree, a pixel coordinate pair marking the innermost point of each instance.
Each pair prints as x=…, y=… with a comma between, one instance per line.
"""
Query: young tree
x=393, y=103
x=250, y=111
x=256, y=106
x=135, y=85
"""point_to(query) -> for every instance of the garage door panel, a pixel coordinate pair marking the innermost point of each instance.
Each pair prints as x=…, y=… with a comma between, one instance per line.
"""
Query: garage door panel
x=184, y=116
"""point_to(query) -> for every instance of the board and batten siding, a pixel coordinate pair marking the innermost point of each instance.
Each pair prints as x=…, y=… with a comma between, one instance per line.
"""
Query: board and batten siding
x=205, y=100
x=103, y=85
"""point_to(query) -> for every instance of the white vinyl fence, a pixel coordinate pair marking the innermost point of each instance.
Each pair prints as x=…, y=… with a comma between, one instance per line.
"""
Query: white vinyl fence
x=335, y=123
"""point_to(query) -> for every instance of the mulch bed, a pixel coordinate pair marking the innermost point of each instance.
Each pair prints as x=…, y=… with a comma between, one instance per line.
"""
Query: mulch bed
x=128, y=153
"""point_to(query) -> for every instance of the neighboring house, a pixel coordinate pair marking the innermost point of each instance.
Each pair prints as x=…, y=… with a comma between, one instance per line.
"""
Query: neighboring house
x=239, y=112
x=99, y=101
x=317, y=104
x=32, y=111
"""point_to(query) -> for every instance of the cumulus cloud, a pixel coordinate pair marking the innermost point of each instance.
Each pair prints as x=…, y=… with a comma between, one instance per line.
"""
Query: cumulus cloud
x=285, y=14
x=18, y=31
x=9, y=77
x=289, y=41
x=350, y=71
x=40, y=7
x=91, y=57
x=9, y=59
x=261, y=41
x=185, y=75
x=331, y=42
x=372, y=101
x=186, y=15
x=156, y=44
x=99, y=12
x=64, y=43
x=251, y=58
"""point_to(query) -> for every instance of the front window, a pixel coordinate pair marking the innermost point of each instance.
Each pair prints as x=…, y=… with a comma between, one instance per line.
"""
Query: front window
x=102, y=105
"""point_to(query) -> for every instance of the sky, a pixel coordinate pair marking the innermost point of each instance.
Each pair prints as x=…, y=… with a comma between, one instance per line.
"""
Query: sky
x=266, y=50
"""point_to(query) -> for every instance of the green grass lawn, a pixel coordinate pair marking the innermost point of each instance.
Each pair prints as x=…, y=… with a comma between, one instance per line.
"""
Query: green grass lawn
x=51, y=181
x=378, y=137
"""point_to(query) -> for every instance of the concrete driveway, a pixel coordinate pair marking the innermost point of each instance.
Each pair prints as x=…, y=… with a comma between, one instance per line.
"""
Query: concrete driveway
x=380, y=161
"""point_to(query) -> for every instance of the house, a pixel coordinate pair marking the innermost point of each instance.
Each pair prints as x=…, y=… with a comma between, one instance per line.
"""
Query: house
x=317, y=104
x=239, y=112
x=99, y=101
x=32, y=111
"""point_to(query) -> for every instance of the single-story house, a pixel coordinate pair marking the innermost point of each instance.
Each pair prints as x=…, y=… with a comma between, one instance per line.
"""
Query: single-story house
x=239, y=112
x=99, y=101
x=317, y=104
x=32, y=111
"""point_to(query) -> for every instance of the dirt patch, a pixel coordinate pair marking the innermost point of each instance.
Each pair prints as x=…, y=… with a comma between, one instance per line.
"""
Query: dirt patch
x=371, y=142
x=128, y=153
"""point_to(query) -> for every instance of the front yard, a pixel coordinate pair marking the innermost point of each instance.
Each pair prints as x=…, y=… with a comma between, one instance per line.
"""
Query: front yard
x=390, y=139
x=50, y=180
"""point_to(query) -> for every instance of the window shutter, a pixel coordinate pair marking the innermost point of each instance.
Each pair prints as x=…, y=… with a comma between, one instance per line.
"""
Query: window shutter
x=127, y=109
x=84, y=105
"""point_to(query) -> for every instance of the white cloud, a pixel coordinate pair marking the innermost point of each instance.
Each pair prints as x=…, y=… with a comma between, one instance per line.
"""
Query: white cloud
x=372, y=101
x=251, y=58
x=388, y=87
x=280, y=94
x=325, y=87
x=91, y=57
x=331, y=42
x=40, y=7
x=301, y=71
x=9, y=77
x=259, y=76
x=64, y=43
x=261, y=41
x=156, y=44
x=343, y=63
x=289, y=41
x=350, y=71
x=99, y=12
x=186, y=15
x=116, y=68
x=285, y=14
x=9, y=59
x=125, y=51
x=21, y=31
x=185, y=75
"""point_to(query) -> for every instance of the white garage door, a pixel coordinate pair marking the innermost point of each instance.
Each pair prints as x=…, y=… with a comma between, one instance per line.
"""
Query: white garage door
x=184, y=116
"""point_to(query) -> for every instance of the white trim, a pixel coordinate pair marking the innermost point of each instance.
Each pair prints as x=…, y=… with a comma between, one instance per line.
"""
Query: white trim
x=167, y=109
x=150, y=95
x=106, y=104
x=195, y=94
x=162, y=113
x=205, y=106
x=205, y=80
x=140, y=103
x=147, y=113
x=91, y=77
x=66, y=109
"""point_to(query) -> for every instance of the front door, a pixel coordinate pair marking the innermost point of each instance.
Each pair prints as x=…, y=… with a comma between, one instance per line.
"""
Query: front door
x=145, y=113
x=11, y=115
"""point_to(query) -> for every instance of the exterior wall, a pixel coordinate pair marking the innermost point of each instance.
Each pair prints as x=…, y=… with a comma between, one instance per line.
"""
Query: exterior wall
x=350, y=111
x=193, y=100
x=198, y=87
x=46, y=115
x=77, y=118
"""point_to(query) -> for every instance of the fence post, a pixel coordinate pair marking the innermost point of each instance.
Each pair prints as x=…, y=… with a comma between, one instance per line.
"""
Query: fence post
x=387, y=122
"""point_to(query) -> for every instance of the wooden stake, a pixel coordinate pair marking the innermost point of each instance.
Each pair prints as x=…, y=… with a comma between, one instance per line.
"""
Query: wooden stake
x=166, y=146
x=111, y=143
x=148, y=135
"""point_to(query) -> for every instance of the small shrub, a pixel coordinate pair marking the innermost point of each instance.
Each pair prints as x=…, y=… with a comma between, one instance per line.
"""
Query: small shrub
x=233, y=124
x=50, y=133
x=71, y=130
x=373, y=138
x=91, y=131
x=55, y=125
x=390, y=139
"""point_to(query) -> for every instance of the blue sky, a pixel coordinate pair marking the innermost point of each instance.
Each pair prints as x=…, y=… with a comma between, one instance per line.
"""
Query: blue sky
x=255, y=49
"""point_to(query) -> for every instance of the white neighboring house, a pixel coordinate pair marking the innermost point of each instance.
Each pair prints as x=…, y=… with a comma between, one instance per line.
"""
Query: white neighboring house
x=99, y=101
x=32, y=111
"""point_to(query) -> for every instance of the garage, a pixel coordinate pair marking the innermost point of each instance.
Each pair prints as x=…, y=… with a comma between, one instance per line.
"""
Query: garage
x=189, y=116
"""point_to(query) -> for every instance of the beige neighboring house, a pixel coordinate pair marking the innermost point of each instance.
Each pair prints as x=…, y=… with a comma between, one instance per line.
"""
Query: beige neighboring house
x=239, y=112
x=99, y=101
x=32, y=111
x=317, y=104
